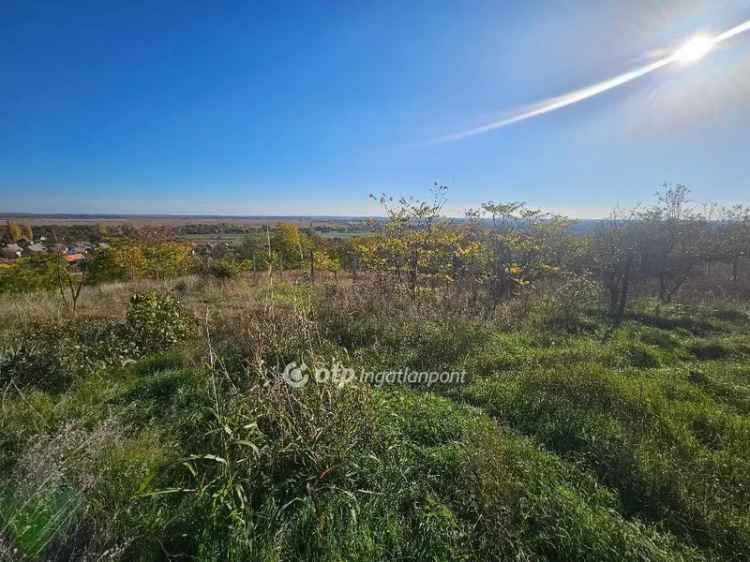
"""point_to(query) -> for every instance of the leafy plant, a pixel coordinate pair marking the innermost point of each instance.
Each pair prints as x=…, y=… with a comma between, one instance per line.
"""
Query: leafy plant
x=156, y=321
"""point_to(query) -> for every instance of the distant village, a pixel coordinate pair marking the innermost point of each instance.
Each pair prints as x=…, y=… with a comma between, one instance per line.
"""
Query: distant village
x=76, y=243
x=19, y=241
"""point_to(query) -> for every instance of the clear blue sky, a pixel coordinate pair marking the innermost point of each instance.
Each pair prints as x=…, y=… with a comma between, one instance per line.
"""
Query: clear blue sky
x=305, y=108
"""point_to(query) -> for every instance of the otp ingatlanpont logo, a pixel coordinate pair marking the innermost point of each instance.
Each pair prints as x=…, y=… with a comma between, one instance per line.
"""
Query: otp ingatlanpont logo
x=295, y=376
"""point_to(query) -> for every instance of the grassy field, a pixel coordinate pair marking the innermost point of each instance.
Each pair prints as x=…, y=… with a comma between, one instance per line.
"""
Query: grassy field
x=159, y=428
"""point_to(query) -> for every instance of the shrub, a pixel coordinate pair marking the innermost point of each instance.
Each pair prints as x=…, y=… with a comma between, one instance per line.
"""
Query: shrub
x=223, y=269
x=35, y=273
x=563, y=308
x=156, y=321
x=42, y=359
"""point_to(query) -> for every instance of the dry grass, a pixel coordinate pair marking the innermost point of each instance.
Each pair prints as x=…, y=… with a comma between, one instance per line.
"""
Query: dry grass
x=563, y=445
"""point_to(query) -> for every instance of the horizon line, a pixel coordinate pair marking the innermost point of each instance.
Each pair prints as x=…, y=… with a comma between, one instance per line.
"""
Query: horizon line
x=36, y=215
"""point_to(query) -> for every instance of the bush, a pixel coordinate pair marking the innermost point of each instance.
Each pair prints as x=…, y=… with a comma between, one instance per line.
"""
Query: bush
x=223, y=269
x=35, y=273
x=156, y=321
x=50, y=356
x=563, y=308
x=38, y=360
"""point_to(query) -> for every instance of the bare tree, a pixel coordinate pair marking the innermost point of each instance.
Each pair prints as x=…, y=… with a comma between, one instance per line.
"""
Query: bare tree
x=672, y=235
x=615, y=248
x=69, y=284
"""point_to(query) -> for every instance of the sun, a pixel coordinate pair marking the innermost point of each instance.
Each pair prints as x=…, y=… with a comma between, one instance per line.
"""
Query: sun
x=694, y=50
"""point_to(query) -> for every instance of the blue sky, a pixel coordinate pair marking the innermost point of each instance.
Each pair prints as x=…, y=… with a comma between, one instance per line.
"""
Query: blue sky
x=306, y=108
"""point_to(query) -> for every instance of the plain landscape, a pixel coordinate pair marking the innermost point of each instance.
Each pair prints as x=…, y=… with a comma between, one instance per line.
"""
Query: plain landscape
x=375, y=281
x=602, y=413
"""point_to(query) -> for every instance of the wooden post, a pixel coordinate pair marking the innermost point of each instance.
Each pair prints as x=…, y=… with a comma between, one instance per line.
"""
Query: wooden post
x=312, y=266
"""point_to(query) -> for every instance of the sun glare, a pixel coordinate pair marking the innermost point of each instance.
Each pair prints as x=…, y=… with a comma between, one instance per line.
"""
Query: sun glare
x=694, y=50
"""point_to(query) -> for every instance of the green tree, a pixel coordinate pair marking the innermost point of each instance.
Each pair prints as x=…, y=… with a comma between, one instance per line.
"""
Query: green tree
x=167, y=260
x=14, y=231
x=253, y=249
x=289, y=244
x=101, y=231
x=34, y=273
x=121, y=262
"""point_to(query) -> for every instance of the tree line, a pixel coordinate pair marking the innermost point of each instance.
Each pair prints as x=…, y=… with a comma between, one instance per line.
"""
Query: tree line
x=497, y=252
x=503, y=250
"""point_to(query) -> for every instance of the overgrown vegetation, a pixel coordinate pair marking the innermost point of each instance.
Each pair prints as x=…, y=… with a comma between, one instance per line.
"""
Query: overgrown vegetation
x=166, y=431
x=157, y=423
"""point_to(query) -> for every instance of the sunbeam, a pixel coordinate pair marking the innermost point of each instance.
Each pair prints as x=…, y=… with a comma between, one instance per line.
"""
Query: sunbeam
x=691, y=51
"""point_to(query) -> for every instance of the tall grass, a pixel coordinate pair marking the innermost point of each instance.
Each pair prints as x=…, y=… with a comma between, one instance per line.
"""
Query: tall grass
x=176, y=437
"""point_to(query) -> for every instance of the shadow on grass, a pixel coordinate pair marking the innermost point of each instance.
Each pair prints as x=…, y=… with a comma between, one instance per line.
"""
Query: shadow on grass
x=695, y=326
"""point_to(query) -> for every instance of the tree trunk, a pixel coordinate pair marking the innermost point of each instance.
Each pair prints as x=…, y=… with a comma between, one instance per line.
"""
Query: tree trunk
x=663, y=291
x=625, y=289
x=614, y=296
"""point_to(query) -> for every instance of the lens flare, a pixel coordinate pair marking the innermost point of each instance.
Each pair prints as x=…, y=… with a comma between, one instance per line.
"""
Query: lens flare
x=694, y=50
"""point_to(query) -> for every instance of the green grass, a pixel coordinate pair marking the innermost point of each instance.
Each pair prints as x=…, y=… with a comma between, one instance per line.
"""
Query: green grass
x=564, y=444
